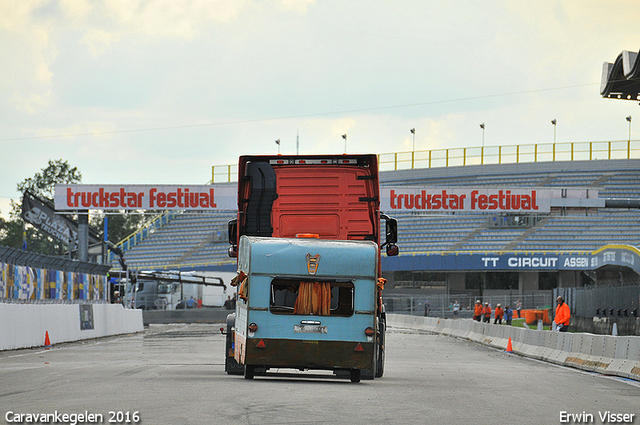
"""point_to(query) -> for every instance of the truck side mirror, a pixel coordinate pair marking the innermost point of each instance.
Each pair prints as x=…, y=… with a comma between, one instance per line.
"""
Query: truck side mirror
x=391, y=235
x=391, y=225
x=232, y=230
x=391, y=231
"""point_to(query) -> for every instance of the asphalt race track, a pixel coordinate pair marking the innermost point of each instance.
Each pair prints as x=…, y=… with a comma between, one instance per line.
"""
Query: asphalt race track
x=174, y=374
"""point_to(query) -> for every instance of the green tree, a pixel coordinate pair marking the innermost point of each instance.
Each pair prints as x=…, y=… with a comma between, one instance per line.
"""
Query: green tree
x=11, y=233
x=42, y=184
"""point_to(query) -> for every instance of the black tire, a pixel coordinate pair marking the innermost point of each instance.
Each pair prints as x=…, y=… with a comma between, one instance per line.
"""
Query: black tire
x=380, y=365
x=355, y=375
x=230, y=365
x=249, y=371
x=367, y=374
x=382, y=326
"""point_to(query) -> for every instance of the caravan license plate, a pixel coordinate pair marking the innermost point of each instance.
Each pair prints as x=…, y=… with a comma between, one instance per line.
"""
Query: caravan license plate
x=310, y=329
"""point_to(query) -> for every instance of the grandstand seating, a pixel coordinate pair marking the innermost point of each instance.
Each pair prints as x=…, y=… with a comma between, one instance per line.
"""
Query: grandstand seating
x=199, y=239
x=188, y=239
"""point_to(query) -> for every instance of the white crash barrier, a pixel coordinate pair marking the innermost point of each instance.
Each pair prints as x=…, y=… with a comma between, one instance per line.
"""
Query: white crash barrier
x=25, y=325
x=609, y=355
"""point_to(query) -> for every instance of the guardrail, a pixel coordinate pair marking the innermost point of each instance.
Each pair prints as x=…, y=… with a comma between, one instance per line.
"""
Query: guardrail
x=538, y=152
x=609, y=355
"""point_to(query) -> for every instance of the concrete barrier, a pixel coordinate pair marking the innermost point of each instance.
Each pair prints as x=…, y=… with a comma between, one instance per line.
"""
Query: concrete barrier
x=25, y=325
x=632, y=366
x=609, y=355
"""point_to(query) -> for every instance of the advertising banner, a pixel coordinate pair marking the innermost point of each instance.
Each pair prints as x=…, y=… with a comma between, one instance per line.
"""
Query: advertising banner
x=73, y=197
x=44, y=218
x=413, y=198
x=29, y=283
x=490, y=262
x=4, y=277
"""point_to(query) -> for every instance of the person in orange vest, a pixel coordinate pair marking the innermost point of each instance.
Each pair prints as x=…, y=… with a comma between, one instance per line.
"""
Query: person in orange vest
x=477, y=311
x=498, y=314
x=486, y=312
x=563, y=315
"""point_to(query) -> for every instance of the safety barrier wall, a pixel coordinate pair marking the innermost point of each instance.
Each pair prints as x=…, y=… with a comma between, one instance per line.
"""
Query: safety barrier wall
x=25, y=325
x=609, y=355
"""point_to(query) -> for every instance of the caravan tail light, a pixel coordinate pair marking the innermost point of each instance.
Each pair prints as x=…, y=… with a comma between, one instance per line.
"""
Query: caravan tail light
x=369, y=333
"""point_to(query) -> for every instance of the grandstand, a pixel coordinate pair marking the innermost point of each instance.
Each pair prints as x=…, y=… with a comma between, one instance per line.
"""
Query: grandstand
x=189, y=241
x=500, y=257
x=564, y=229
x=448, y=253
x=199, y=240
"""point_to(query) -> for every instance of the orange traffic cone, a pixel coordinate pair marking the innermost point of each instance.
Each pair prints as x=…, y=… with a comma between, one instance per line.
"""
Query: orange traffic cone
x=509, y=348
x=47, y=341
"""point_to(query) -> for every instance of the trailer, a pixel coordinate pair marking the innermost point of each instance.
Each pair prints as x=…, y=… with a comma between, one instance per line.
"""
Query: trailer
x=307, y=304
x=308, y=239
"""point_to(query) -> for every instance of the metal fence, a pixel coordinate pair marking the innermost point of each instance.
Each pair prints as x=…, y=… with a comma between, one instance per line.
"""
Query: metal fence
x=507, y=154
x=590, y=301
x=441, y=305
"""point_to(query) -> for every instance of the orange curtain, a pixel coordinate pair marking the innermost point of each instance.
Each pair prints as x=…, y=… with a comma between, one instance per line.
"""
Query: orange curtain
x=313, y=298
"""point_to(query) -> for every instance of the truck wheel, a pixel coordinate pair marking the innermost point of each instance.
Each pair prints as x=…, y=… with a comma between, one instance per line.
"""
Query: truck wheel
x=249, y=371
x=380, y=349
x=380, y=363
x=230, y=365
x=355, y=375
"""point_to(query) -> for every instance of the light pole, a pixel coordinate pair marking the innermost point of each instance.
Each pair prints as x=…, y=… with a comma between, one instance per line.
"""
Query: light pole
x=344, y=136
x=629, y=119
x=413, y=152
x=413, y=131
x=554, y=122
x=482, y=149
x=278, y=143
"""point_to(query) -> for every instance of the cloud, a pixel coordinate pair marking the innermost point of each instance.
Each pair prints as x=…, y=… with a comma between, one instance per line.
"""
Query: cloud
x=98, y=40
x=300, y=6
x=168, y=17
x=30, y=103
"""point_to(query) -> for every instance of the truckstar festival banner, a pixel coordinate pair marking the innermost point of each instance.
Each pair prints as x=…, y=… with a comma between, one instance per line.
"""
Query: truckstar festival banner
x=72, y=197
x=409, y=198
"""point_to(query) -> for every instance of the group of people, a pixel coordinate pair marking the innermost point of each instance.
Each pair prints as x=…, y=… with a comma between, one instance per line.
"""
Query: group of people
x=483, y=313
x=561, y=318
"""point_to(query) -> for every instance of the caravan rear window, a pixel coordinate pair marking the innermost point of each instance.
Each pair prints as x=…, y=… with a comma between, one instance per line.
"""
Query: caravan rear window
x=320, y=298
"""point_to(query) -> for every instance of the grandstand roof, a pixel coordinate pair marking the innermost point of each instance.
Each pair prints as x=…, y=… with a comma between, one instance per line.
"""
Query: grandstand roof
x=621, y=79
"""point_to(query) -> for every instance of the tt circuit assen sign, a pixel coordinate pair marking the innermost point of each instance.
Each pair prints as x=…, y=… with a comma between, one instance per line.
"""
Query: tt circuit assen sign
x=144, y=197
x=487, y=262
x=407, y=198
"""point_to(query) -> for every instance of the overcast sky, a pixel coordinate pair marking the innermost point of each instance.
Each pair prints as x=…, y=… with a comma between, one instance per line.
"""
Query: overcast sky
x=142, y=92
